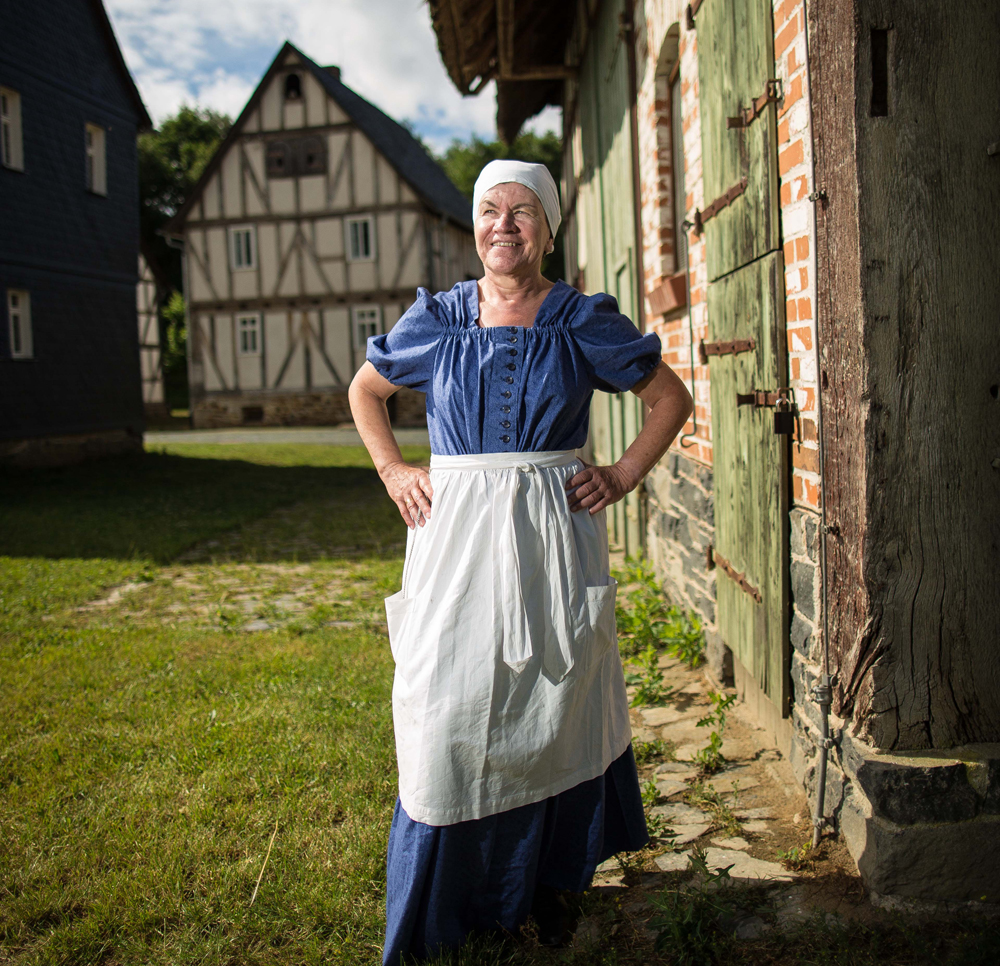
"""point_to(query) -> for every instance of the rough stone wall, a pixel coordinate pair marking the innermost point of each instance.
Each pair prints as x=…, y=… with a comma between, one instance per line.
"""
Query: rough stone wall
x=49, y=451
x=326, y=408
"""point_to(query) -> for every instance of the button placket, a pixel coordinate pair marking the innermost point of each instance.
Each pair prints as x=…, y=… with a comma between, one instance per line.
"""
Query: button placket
x=509, y=361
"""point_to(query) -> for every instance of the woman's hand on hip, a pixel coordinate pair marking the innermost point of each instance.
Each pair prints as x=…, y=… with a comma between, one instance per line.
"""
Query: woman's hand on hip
x=596, y=487
x=411, y=490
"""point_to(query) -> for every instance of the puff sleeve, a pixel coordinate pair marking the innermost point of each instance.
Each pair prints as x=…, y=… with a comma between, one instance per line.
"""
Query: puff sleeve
x=405, y=354
x=616, y=354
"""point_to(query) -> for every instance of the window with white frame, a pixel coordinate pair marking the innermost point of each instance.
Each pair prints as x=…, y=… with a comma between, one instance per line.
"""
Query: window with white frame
x=367, y=322
x=19, y=324
x=11, y=148
x=361, y=239
x=248, y=329
x=242, y=247
x=96, y=159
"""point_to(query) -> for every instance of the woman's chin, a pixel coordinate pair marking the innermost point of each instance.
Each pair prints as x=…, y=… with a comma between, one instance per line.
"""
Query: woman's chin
x=507, y=261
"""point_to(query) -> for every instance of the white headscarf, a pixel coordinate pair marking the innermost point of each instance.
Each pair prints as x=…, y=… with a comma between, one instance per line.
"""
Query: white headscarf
x=533, y=176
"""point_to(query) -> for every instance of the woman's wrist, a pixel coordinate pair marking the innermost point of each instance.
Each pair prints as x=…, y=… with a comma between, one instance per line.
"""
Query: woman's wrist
x=627, y=474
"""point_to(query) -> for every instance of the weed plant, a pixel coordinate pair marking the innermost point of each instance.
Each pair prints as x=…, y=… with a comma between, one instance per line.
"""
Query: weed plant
x=710, y=759
x=650, y=689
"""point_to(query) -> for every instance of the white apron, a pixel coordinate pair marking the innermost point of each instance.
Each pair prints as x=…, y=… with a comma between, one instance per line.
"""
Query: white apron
x=508, y=685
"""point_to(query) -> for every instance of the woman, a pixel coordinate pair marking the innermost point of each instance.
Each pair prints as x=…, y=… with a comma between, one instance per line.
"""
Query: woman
x=516, y=775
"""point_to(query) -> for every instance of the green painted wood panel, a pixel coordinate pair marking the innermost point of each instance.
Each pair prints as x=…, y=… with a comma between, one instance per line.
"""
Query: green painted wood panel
x=606, y=203
x=735, y=62
x=751, y=472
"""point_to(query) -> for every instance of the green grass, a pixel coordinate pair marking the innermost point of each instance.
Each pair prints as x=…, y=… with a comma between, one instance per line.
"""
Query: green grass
x=148, y=750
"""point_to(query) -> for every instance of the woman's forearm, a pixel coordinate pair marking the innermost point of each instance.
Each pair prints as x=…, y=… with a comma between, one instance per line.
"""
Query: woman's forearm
x=371, y=417
x=670, y=408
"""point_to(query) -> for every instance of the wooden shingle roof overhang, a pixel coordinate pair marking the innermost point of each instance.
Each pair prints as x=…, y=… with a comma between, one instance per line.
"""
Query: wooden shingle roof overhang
x=393, y=141
x=520, y=45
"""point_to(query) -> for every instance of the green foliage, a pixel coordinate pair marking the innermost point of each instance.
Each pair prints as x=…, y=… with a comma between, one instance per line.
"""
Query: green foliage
x=647, y=751
x=704, y=797
x=710, y=759
x=645, y=618
x=650, y=689
x=175, y=330
x=463, y=161
x=797, y=857
x=650, y=795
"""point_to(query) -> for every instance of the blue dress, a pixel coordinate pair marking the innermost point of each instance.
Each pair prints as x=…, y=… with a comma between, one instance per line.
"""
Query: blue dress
x=495, y=390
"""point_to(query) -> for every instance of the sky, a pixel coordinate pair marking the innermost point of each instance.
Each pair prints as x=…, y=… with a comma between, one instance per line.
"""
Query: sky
x=212, y=53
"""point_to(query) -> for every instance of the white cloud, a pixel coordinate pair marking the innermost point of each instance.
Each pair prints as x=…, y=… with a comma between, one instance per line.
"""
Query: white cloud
x=214, y=53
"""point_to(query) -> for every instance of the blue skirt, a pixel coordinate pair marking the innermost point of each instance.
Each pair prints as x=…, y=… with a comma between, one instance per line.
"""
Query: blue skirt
x=447, y=882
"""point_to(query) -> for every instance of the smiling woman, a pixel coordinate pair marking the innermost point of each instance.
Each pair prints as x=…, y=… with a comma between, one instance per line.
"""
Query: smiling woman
x=516, y=774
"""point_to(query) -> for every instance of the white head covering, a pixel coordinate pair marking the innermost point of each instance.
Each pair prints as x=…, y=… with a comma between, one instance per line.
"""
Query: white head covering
x=533, y=176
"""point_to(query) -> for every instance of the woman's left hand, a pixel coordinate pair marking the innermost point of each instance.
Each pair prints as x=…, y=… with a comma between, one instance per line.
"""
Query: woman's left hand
x=596, y=487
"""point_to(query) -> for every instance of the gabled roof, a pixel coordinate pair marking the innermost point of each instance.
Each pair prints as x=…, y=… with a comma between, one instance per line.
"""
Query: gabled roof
x=400, y=148
x=104, y=25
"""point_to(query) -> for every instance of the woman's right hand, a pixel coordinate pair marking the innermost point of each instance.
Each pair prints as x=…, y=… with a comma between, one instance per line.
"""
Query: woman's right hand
x=411, y=491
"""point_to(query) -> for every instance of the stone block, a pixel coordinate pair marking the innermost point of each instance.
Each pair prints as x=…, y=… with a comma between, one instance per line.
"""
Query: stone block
x=801, y=634
x=719, y=658
x=803, y=581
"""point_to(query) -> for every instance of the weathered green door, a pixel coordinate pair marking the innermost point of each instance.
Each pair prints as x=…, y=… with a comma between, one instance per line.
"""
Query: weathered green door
x=610, y=226
x=745, y=306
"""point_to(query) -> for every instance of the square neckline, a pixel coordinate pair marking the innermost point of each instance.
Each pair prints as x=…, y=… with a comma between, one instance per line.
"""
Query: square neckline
x=473, y=302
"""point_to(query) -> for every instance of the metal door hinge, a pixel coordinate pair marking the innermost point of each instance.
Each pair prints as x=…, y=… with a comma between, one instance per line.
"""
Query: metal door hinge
x=733, y=574
x=748, y=115
x=723, y=201
x=736, y=346
x=692, y=11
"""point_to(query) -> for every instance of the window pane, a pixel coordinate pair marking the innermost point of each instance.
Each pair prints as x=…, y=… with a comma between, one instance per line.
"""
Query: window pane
x=366, y=248
x=355, y=239
x=15, y=328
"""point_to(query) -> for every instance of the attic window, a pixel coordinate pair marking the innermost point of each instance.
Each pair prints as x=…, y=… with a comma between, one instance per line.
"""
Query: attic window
x=293, y=87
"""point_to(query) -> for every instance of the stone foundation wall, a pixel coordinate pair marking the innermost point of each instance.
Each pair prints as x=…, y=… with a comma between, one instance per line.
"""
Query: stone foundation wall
x=328, y=407
x=51, y=451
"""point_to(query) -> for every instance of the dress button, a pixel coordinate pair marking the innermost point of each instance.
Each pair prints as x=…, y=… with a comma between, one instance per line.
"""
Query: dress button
x=512, y=339
x=511, y=366
x=506, y=392
x=513, y=328
x=505, y=409
x=508, y=379
x=512, y=352
x=505, y=424
x=504, y=439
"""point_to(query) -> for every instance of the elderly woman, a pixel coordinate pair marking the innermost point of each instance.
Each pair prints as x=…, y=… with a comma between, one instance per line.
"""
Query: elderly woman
x=516, y=774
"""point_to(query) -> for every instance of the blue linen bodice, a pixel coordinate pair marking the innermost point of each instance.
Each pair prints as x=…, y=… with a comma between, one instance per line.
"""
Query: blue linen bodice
x=512, y=388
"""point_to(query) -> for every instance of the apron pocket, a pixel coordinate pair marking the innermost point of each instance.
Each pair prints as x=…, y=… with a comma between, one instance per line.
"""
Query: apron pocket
x=601, y=614
x=397, y=610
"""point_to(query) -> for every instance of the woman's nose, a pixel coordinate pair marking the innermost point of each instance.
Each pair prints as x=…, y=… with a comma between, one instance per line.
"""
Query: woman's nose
x=506, y=221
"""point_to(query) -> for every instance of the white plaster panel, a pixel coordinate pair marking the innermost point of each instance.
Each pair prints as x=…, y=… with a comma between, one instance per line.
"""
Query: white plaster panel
x=282, y=191
x=252, y=123
x=254, y=153
x=340, y=189
x=330, y=237
x=364, y=170
x=288, y=284
x=337, y=340
x=295, y=115
x=249, y=370
x=230, y=173
x=406, y=193
x=361, y=276
x=218, y=257
x=412, y=273
x=245, y=285
x=197, y=280
x=267, y=252
x=212, y=381
x=270, y=107
x=312, y=193
x=322, y=377
x=387, y=249
x=388, y=181
x=210, y=198
x=311, y=278
x=336, y=113
x=224, y=348
x=315, y=98
x=276, y=341
x=295, y=374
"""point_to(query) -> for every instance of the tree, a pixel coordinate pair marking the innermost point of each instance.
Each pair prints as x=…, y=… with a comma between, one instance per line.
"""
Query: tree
x=171, y=160
x=463, y=161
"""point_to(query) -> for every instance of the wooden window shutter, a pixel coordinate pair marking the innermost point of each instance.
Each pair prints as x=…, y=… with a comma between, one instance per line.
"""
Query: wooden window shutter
x=739, y=215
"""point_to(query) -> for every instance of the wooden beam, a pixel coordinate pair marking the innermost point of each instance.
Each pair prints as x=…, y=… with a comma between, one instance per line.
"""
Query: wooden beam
x=505, y=38
x=555, y=72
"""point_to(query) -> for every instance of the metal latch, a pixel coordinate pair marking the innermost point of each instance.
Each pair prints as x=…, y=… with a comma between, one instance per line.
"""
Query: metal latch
x=780, y=399
x=723, y=201
x=748, y=115
x=716, y=559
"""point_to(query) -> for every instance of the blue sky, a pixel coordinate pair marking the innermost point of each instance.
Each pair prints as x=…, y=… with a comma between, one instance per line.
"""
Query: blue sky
x=212, y=53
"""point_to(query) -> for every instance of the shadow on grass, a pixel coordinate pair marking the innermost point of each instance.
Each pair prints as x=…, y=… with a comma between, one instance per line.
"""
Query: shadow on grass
x=157, y=505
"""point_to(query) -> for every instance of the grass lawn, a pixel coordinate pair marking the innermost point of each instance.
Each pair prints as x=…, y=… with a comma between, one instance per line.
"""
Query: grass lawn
x=151, y=744
x=196, y=753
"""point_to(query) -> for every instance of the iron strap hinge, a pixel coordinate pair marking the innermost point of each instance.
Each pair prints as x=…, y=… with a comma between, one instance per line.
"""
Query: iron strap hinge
x=706, y=349
x=723, y=201
x=692, y=11
x=748, y=115
x=761, y=397
x=716, y=559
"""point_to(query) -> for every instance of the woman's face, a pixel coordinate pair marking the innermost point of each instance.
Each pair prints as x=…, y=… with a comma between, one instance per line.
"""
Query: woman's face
x=512, y=233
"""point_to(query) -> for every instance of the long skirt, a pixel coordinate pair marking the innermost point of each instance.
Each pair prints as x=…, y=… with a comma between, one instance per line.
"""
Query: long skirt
x=447, y=883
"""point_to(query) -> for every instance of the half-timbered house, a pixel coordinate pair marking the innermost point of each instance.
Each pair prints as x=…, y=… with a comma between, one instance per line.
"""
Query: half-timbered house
x=149, y=296
x=310, y=231
x=69, y=236
x=798, y=198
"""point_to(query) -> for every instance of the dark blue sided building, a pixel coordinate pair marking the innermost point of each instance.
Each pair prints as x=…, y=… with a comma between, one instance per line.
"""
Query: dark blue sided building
x=69, y=236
